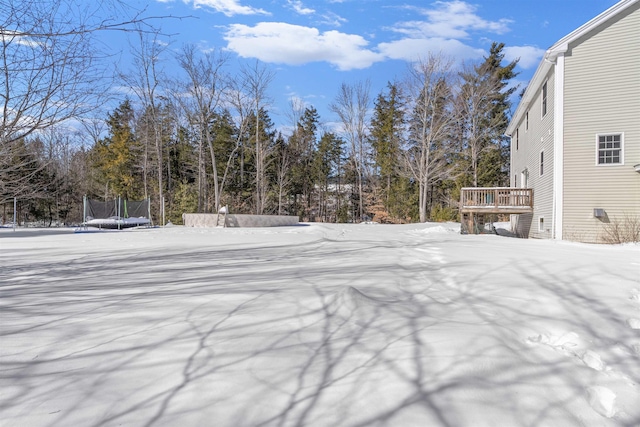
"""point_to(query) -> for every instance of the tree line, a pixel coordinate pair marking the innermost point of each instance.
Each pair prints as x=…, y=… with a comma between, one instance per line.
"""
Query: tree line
x=206, y=138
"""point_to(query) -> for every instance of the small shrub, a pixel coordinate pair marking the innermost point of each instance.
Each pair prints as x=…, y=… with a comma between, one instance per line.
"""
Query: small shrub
x=443, y=213
x=621, y=230
x=185, y=201
x=342, y=214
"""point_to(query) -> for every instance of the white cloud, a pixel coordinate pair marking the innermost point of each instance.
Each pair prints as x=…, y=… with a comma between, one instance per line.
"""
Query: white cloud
x=299, y=102
x=332, y=19
x=445, y=26
x=205, y=47
x=18, y=38
x=413, y=49
x=529, y=56
x=454, y=19
x=299, y=8
x=227, y=7
x=278, y=42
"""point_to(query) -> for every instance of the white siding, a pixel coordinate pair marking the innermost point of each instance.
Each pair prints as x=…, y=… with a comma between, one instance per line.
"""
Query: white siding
x=602, y=95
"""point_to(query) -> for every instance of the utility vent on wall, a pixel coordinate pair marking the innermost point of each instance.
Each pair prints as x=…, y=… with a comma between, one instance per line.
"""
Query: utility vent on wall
x=598, y=213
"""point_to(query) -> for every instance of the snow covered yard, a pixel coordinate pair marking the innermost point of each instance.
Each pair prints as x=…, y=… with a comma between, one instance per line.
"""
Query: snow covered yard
x=316, y=325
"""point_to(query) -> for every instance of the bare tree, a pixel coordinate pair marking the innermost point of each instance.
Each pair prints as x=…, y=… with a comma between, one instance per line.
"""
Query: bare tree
x=428, y=87
x=294, y=113
x=144, y=81
x=18, y=169
x=183, y=106
x=62, y=18
x=205, y=89
x=352, y=105
x=238, y=102
x=284, y=155
x=51, y=69
x=256, y=81
x=475, y=105
x=282, y=168
x=45, y=79
x=233, y=99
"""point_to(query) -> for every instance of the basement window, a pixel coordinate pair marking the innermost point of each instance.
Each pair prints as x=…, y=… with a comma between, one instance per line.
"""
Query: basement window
x=610, y=149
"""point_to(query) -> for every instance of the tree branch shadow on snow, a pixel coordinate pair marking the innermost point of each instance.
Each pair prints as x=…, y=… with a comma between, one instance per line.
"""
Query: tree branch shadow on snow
x=68, y=298
x=203, y=316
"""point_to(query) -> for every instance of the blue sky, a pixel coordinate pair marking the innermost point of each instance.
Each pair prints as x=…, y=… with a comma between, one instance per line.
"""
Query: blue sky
x=313, y=46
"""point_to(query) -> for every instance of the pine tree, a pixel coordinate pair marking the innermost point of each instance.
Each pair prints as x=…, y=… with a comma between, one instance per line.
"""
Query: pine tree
x=184, y=200
x=114, y=156
x=483, y=107
x=281, y=171
x=325, y=168
x=387, y=127
x=258, y=147
x=494, y=165
x=21, y=167
x=303, y=145
x=225, y=148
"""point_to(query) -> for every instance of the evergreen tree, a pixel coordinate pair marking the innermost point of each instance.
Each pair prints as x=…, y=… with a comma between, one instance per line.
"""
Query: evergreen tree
x=281, y=171
x=255, y=160
x=154, y=131
x=494, y=165
x=303, y=145
x=184, y=200
x=114, y=156
x=326, y=164
x=20, y=167
x=182, y=158
x=404, y=200
x=225, y=137
x=483, y=107
x=387, y=127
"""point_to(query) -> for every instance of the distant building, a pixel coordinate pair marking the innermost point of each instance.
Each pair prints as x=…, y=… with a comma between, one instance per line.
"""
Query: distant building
x=575, y=136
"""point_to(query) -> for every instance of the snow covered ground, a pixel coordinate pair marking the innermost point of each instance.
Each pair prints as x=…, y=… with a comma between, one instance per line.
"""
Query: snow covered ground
x=316, y=325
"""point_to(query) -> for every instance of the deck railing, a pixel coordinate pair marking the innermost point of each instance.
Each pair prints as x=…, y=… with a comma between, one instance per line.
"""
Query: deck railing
x=497, y=198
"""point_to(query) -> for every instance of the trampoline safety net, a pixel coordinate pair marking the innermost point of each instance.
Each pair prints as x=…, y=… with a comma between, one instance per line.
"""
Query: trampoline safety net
x=117, y=208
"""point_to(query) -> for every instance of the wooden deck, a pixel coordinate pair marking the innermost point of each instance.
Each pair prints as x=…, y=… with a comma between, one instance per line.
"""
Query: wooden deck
x=497, y=200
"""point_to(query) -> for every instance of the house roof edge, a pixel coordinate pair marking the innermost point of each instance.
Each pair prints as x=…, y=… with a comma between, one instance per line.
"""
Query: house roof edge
x=561, y=46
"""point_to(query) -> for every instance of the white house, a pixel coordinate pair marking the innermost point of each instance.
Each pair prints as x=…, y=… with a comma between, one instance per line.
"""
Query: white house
x=575, y=136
